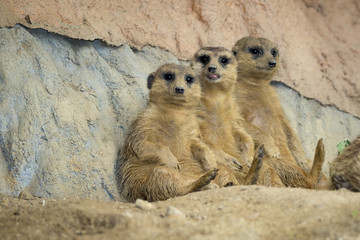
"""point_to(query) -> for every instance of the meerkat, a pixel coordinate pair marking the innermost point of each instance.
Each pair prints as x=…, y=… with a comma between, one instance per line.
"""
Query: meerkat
x=345, y=169
x=219, y=118
x=265, y=121
x=163, y=155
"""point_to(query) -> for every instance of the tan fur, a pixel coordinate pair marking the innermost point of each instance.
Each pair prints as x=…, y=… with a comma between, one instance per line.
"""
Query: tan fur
x=264, y=118
x=345, y=169
x=219, y=119
x=163, y=155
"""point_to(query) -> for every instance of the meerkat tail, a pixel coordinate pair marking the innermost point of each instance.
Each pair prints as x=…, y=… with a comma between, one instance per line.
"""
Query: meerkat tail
x=319, y=159
x=253, y=174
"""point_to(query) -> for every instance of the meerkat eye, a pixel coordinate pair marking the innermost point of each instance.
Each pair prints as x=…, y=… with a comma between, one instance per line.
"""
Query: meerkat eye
x=224, y=60
x=204, y=59
x=256, y=51
x=234, y=52
x=189, y=79
x=274, y=52
x=168, y=76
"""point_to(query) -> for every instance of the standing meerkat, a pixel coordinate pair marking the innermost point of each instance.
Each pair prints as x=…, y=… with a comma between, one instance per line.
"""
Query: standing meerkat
x=265, y=120
x=345, y=169
x=219, y=119
x=163, y=156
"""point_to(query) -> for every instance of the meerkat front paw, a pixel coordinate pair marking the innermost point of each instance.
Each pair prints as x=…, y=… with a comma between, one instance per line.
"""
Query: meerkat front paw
x=233, y=163
x=209, y=167
x=271, y=149
x=275, y=153
x=229, y=161
x=176, y=166
x=210, y=164
x=172, y=163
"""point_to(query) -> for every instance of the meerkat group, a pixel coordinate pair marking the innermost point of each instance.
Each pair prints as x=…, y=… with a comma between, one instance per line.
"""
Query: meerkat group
x=217, y=123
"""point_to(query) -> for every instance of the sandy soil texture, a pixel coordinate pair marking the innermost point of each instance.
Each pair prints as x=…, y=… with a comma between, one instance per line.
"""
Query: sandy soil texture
x=250, y=212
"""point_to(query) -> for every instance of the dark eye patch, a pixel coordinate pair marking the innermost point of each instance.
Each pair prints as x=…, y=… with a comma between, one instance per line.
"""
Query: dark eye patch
x=274, y=52
x=168, y=76
x=189, y=79
x=224, y=60
x=204, y=59
x=256, y=51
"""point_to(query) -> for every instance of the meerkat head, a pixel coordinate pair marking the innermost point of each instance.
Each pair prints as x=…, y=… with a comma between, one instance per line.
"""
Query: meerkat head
x=256, y=57
x=215, y=66
x=174, y=84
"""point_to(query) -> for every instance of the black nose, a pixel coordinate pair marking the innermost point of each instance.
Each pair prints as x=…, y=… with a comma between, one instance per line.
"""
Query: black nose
x=179, y=90
x=212, y=69
x=272, y=63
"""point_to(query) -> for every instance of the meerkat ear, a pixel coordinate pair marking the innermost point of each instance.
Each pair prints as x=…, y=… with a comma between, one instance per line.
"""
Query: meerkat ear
x=233, y=50
x=150, y=80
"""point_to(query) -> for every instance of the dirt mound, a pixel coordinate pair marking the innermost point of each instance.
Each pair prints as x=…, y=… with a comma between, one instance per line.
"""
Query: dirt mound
x=230, y=213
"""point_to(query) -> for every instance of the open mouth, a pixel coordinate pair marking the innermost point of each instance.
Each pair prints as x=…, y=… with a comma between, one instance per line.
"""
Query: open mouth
x=213, y=77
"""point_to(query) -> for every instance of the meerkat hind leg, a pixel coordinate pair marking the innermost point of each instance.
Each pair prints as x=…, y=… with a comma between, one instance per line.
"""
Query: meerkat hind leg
x=165, y=183
x=253, y=174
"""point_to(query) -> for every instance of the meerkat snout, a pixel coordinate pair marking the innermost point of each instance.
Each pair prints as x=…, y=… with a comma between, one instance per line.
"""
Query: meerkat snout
x=179, y=90
x=272, y=63
x=212, y=69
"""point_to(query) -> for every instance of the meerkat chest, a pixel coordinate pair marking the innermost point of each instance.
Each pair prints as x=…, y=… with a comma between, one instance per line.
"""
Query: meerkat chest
x=216, y=127
x=178, y=136
x=265, y=119
x=259, y=117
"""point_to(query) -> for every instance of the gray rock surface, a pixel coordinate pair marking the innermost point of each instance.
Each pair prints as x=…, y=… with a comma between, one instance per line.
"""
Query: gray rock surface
x=312, y=121
x=64, y=108
x=66, y=104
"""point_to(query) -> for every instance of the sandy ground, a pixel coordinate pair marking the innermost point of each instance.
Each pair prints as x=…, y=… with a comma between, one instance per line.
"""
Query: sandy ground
x=242, y=212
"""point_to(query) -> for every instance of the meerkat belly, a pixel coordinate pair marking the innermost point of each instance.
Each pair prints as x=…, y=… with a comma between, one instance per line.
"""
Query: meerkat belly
x=179, y=146
x=270, y=125
x=264, y=120
x=216, y=130
x=180, y=141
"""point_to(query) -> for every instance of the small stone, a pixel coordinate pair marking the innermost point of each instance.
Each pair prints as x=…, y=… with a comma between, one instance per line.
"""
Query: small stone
x=144, y=205
x=127, y=214
x=344, y=190
x=173, y=211
x=26, y=195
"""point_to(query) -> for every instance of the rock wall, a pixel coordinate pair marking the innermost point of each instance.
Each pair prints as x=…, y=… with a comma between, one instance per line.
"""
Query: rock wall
x=318, y=39
x=312, y=121
x=66, y=104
